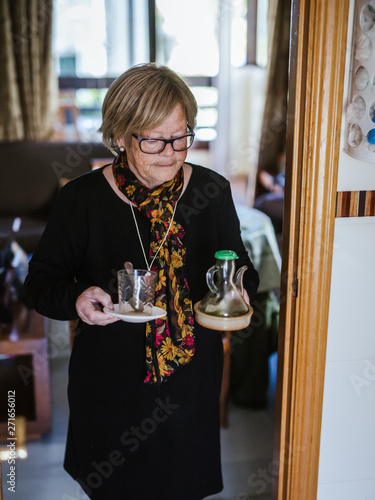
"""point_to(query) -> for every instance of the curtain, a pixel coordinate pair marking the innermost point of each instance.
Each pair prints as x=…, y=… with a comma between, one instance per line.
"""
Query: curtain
x=273, y=134
x=28, y=90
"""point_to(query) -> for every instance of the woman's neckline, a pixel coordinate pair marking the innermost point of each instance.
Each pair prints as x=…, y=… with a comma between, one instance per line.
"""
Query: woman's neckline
x=108, y=176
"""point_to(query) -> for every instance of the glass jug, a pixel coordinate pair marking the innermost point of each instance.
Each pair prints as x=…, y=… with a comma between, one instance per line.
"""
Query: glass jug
x=224, y=307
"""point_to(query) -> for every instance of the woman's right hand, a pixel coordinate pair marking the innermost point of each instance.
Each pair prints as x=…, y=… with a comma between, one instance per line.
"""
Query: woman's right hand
x=89, y=310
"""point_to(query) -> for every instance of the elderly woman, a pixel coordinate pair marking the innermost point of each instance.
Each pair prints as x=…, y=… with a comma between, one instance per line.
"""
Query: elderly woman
x=144, y=398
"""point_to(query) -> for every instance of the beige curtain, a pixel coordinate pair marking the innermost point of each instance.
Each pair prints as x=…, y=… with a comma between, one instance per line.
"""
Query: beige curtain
x=273, y=133
x=28, y=88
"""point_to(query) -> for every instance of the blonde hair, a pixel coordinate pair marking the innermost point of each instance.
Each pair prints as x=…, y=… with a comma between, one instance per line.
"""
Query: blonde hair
x=141, y=99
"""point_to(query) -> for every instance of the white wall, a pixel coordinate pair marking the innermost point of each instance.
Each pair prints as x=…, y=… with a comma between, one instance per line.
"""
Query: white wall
x=347, y=453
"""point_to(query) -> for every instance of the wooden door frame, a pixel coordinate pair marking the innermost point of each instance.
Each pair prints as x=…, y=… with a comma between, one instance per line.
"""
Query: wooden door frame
x=317, y=69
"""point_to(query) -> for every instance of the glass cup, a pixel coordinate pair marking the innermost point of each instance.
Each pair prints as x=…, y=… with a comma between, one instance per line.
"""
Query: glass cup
x=136, y=291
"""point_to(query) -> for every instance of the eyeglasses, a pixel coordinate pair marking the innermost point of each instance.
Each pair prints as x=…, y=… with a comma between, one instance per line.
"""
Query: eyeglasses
x=154, y=146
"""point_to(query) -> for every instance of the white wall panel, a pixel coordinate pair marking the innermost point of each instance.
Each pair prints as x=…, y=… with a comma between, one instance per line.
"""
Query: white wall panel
x=347, y=453
x=349, y=490
x=351, y=327
x=347, y=450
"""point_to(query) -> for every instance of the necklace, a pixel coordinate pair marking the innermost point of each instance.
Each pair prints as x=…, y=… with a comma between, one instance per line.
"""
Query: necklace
x=149, y=266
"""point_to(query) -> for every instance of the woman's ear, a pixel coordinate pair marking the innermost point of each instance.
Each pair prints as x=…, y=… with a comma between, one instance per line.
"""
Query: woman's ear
x=121, y=142
x=124, y=142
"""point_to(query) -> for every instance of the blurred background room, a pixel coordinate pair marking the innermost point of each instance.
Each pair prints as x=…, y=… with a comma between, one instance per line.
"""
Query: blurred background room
x=58, y=58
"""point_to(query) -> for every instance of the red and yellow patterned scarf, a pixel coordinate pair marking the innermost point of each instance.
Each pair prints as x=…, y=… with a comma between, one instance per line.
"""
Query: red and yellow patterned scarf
x=169, y=340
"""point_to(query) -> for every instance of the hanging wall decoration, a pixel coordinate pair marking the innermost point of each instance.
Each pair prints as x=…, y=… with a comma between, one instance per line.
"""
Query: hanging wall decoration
x=360, y=111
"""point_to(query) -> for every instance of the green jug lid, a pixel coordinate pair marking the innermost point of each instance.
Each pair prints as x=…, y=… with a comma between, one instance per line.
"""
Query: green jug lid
x=226, y=255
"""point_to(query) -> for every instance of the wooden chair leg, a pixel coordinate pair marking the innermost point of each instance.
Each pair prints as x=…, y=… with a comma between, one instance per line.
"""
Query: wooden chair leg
x=72, y=330
x=224, y=394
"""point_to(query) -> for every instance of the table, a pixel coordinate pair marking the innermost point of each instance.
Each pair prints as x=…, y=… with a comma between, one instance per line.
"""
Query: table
x=251, y=347
x=24, y=367
x=260, y=241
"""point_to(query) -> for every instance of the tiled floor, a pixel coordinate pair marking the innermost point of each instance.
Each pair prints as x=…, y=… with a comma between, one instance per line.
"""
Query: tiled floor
x=246, y=448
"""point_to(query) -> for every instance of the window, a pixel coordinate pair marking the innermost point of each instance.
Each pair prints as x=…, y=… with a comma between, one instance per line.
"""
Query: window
x=187, y=36
x=96, y=40
x=249, y=32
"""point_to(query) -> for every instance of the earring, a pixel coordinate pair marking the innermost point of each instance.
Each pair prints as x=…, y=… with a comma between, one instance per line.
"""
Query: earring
x=122, y=149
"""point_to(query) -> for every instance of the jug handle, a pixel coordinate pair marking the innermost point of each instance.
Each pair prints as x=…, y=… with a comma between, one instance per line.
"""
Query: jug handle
x=210, y=279
x=239, y=278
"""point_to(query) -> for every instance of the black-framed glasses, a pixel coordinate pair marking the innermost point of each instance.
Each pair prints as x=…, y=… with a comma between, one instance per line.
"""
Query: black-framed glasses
x=152, y=146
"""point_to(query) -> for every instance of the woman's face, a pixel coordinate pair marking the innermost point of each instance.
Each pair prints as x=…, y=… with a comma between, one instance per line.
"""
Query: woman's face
x=155, y=169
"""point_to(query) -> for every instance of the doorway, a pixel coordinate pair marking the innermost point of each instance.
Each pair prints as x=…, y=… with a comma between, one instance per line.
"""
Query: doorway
x=314, y=117
x=317, y=66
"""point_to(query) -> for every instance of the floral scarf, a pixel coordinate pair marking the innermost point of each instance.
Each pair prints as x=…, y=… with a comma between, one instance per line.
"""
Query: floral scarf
x=169, y=340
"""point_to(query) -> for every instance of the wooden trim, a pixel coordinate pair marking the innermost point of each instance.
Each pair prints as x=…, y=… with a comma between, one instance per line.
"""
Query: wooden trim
x=252, y=11
x=294, y=153
x=370, y=203
x=152, y=29
x=353, y=207
x=73, y=83
x=319, y=76
x=355, y=204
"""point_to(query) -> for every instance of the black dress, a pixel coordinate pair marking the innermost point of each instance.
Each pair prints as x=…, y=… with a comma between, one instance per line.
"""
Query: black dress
x=127, y=439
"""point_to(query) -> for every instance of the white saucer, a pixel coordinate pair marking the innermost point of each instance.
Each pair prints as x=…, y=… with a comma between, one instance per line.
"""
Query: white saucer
x=136, y=317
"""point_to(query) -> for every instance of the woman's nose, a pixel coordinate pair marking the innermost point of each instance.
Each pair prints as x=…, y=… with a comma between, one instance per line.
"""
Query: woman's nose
x=168, y=150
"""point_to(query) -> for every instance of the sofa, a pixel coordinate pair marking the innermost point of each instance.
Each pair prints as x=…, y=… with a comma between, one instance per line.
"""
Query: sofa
x=31, y=174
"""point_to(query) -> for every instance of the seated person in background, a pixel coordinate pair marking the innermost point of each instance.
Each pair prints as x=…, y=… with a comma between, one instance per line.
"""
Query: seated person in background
x=272, y=202
x=273, y=184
